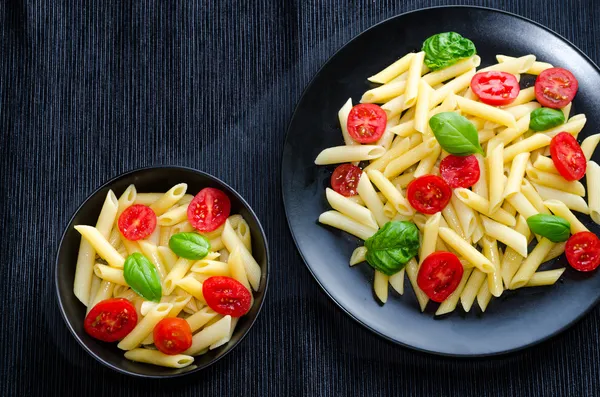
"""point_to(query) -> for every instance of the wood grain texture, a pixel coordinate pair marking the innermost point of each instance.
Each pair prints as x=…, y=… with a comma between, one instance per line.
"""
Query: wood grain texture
x=89, y=90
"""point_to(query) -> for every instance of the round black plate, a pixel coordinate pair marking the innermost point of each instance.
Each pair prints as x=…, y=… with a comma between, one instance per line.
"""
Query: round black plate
x=514, y=321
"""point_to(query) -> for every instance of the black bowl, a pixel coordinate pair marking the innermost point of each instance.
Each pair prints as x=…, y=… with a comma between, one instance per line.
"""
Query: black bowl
x=153, y=179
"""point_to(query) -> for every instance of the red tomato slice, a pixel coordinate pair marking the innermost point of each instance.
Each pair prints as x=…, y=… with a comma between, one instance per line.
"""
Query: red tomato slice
x=111, y=320
x=209, y=209
x=428, y=194
x=567, y=156
x=226, y=296
x=137, y=222
x=495, y=88
x=460, y=171
x=555, y=88
x=366, y=122
x=172, y=335
x=439, y=275
x=344, y=179
x=583, y=251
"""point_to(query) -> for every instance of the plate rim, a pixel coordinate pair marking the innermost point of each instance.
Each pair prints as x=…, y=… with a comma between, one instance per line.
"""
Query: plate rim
x=291, y=230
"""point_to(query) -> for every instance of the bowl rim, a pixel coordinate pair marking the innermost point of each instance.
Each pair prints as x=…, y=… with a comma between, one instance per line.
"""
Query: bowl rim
x=107, y=184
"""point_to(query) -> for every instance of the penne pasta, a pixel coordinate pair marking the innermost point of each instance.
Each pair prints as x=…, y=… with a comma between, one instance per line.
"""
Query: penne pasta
x=593, y=181
x=465, y=250
x=349, y=154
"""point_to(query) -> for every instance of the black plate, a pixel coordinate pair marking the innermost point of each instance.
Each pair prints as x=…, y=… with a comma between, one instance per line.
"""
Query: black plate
x=514, y=321
x=153, y=179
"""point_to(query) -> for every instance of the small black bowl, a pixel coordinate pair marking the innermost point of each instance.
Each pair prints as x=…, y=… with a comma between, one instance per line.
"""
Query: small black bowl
x=153, y=179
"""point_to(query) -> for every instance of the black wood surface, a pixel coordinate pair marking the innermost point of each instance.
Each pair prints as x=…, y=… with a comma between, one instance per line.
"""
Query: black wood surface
x=91, y=89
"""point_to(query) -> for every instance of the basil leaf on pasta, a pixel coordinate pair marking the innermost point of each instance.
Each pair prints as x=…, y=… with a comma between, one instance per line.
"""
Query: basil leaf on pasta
x=546, y=118
x=445, y=49
x=141, y=275
x=554, y=228
x=189, y=245
x=392, y=246
x=455, y=134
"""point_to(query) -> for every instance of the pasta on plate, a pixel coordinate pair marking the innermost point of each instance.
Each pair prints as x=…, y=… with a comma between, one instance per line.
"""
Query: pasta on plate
x=166, y=275
x=467, y=182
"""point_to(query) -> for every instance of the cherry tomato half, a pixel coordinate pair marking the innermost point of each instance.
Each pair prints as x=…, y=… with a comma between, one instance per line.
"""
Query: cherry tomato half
x=439, y=275
x=428, y=194
x=209, y=209
x=583, y=251
x=111, y=320
x=555, y=88
x=366, y=122
x=226, y=296
x=567, y=156
x=172, y=335
x=495, y=88
x=460, y=171
x=344, y=179
x=137, y=222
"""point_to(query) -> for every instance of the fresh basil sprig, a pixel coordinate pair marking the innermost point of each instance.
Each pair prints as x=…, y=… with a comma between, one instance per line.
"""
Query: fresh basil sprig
x=141, y=275
x=554, y=228
x=189, y=245
x=455, y=134
x=546, y=118
x=445, y=49
x=392, y=246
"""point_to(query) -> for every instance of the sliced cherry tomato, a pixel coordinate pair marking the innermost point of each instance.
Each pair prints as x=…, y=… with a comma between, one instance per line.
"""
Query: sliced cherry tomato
x=209, y=209
x=366, y=122
x=172, y=335
x=567, y=156
x=226, y=296
x=439, y=275
x=344, y=179
x=460, y=171
x=495, y=88
x=137, y=222
x=428, y=194
x=111, y=320
x=583, y=251
x=555, y=88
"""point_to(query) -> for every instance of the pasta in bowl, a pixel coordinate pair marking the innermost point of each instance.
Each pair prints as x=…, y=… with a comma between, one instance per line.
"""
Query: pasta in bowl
x=167, y=263
x=461, y=173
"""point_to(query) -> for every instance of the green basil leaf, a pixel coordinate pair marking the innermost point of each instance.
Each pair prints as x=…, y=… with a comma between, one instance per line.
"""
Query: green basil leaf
x=455, y=134
x=445, y=49
x=141, y=275
x=392, y=246
x=546, y=118
x=189, y=245
x=554, y=228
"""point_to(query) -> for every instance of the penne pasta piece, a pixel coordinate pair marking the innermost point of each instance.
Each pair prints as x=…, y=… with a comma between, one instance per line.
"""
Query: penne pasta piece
x=522, y=205
x=349, y=154
x=173, y=216
x=209, y=335
x=469, y=292
x=525, y=96
x=430, y=236
x=513, y=66
x=520, y=111
x=557, y=250
x=452, y=87
x=511, y=259
x=412, y=81
x=150, y=251
x=555, y=181
x=466, y=250
x=426, y=164
x=484, y=296
x=536, y=68
x=342, y=222
x=412, y=269
x=384, y=93
x=380, y=286
x=394, y=107
x=526, y=145
x=517, y=172
x=573, y=202
x=232, y=242
x=509, y=134
x=343, y=118
x=396, y=151
x=101, y=245
x=545, y=164
x=451, y=301
x=155, y=357
x=402, y=163
x=111, y=274
x=531, y=263
x=490, y=251
x=359, y=255
x=447, y=73
x=172, y=196
x=533, y=197
x=495, y=171
x=481, y=188
x=397, y=282
x=547, y=277
x=486, y=112
x=393, y=70
x=451, y=221
x=422, y=107
x=351, y=209
x=386, y=139
x=393, y=195
x=367, y=192
x=589, y=145
x=481, y=205
x=145, y=326
x=506, y=235
x=147, y=198
x=593, y=181
x=466, y=216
